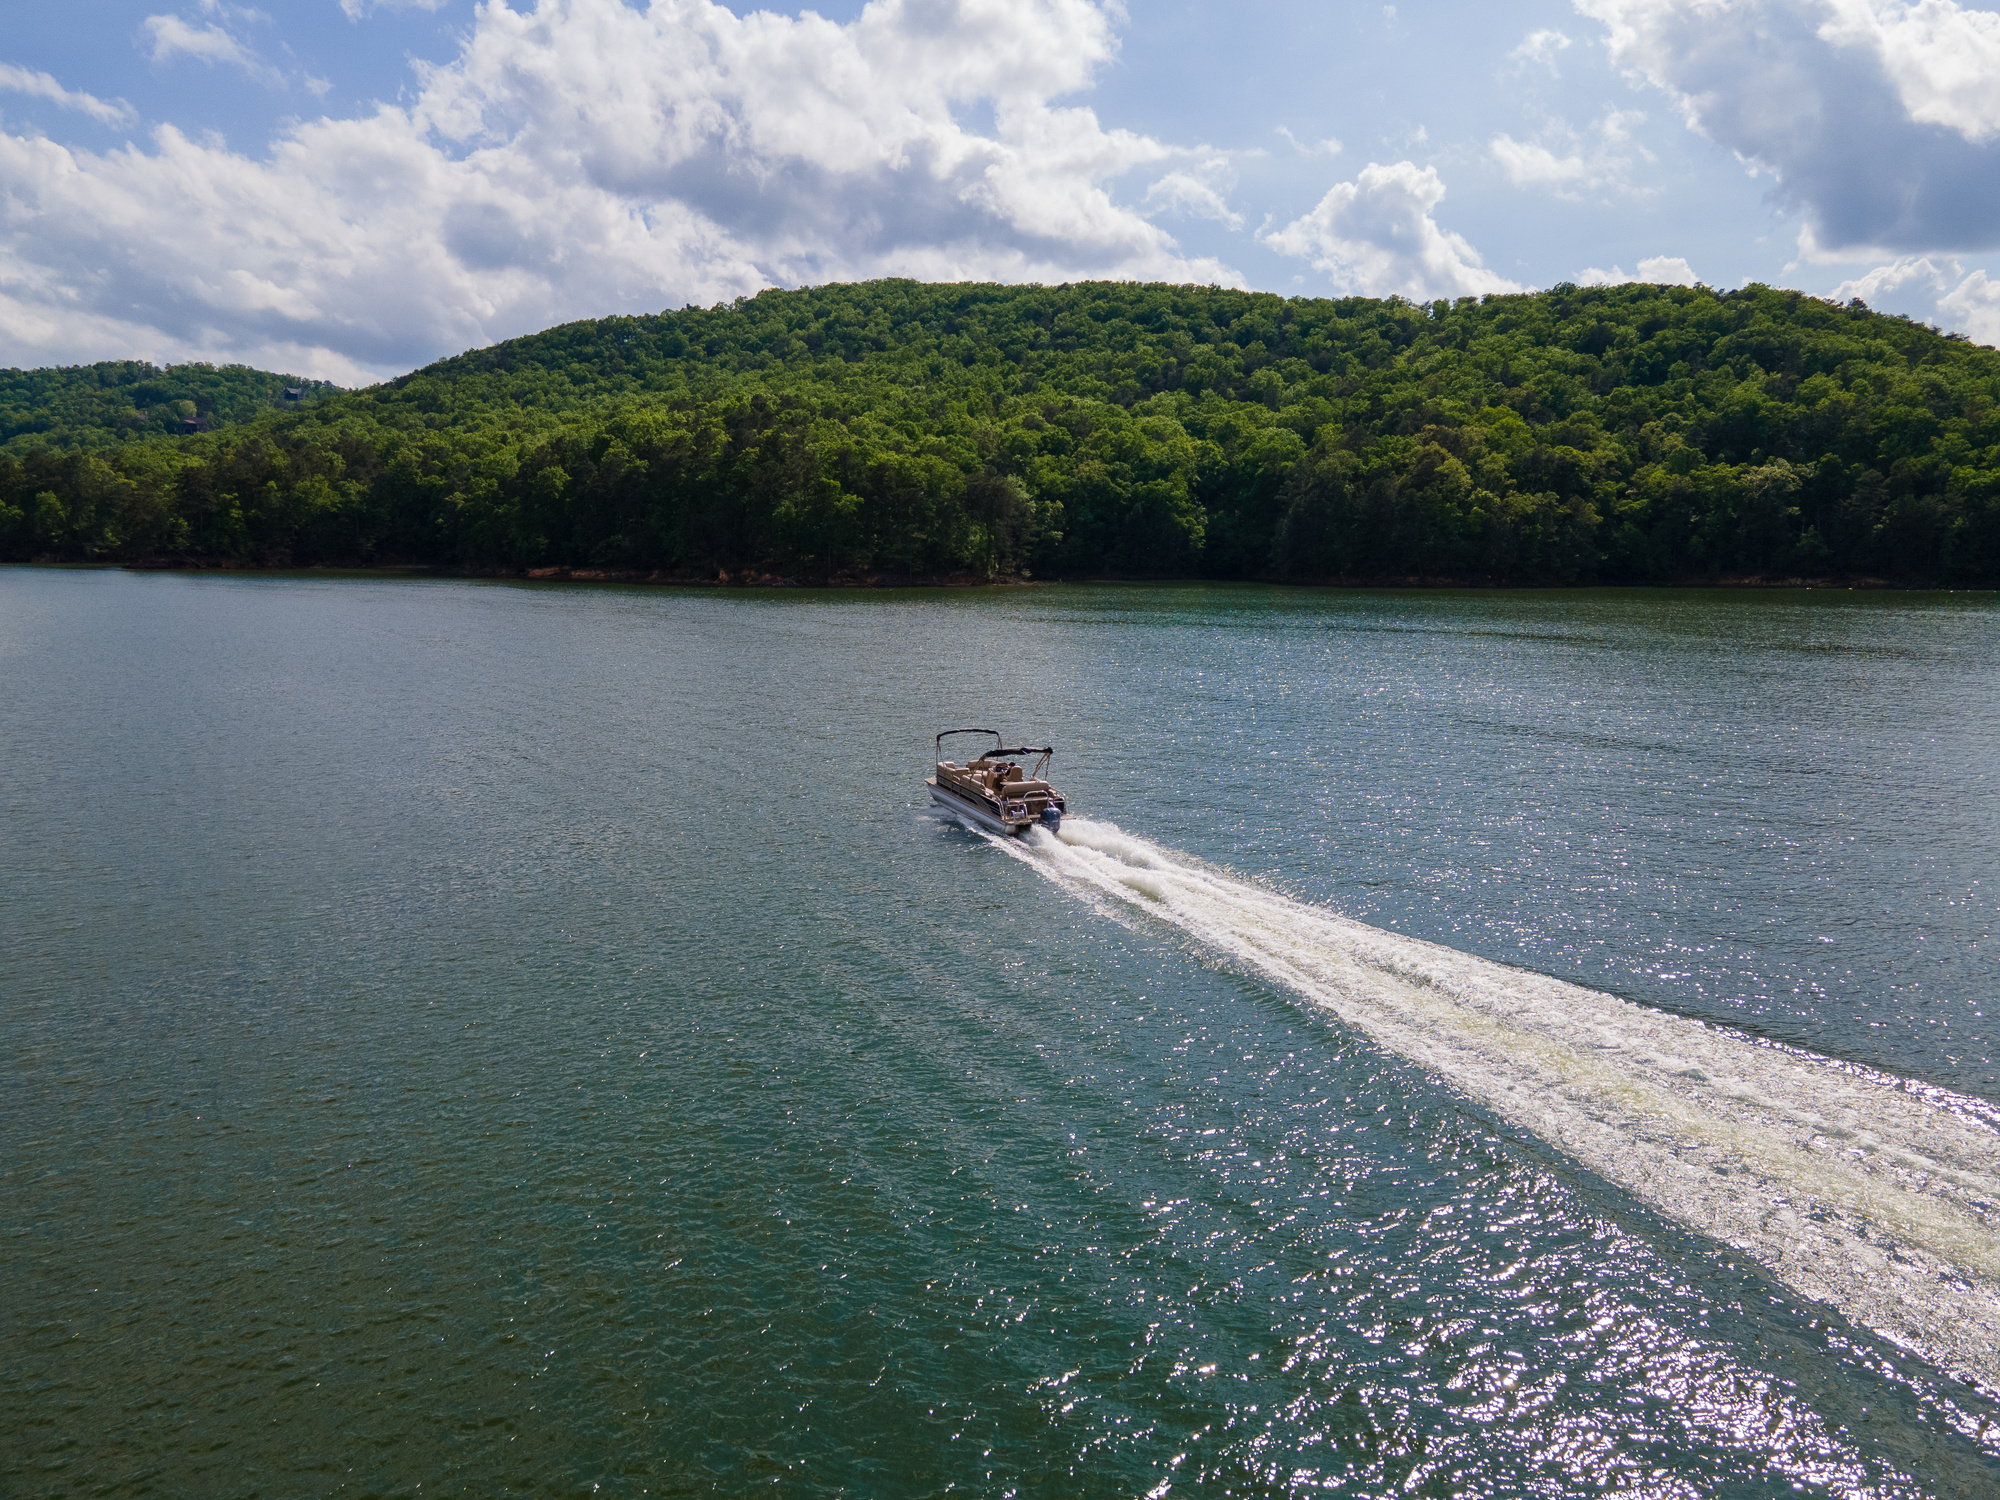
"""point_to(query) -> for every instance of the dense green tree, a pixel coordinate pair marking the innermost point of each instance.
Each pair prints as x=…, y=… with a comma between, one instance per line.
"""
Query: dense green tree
x=896, y=428
x=105, y=405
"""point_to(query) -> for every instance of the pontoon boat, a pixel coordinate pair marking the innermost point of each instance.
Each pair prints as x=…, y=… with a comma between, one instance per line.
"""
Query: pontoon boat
x=991, y=792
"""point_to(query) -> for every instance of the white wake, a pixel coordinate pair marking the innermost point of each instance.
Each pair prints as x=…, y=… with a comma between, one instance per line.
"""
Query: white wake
x=1875, y=1195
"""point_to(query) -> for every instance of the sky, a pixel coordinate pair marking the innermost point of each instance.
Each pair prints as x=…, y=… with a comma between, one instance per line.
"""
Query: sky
x=349, y=189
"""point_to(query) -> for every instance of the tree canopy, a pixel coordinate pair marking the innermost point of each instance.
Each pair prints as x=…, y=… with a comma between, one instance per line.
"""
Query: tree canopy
x=104, y=405
x=895, y=428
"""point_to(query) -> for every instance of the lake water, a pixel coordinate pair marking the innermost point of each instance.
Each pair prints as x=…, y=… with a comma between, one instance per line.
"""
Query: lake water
x=537, y=1040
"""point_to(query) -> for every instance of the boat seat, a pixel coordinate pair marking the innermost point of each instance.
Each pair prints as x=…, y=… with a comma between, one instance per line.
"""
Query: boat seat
x=1028, y=788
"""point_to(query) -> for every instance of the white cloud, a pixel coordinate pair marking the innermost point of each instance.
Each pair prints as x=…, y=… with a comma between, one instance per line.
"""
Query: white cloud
x=1667, y=270
x=1974, y=308
x=1542, y=47
x=1186, y=193
x=1967, y=303
x=175, y=37
x=1328, y=147
x=1971, y=306
x=587, y=157
x=17, y=80
x=1655, y=270
x=1605, y=157
x=1874, y=115
x=355, y=10
x=1376, y=236
x=1897, y=274
x=1943, y=58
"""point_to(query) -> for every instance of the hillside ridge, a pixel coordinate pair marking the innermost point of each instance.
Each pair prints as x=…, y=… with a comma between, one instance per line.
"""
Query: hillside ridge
x=904, y=429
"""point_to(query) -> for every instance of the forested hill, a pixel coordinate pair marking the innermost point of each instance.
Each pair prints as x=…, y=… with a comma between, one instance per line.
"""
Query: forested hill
x=103, y=405
x=898, y=429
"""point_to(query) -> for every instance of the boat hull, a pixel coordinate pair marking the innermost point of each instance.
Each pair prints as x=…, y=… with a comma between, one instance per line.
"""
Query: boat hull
x=977, y=813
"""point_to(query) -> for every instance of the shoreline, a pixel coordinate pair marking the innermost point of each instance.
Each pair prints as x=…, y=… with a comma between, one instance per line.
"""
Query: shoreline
x=757, y=578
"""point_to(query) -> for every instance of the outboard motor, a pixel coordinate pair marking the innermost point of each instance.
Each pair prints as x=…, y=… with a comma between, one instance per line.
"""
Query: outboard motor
x=1052, y=818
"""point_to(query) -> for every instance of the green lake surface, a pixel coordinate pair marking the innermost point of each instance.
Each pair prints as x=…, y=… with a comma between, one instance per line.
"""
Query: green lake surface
x=521, y=1039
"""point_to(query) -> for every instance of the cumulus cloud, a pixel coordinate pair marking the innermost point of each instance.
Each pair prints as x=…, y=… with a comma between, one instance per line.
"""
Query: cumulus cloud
x=1974, y=307
x=1969, y=303
x=1604, y=156
x=1542, y=47
x=1943, y=59
x=17, y=80
x=1876, y=116
x=1190, y=194
x=1896, y=275
x=1377, y=236
x=1657, y=270
x=586, y=157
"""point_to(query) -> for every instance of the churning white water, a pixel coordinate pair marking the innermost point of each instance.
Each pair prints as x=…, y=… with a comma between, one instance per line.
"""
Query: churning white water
x=1873, y=1194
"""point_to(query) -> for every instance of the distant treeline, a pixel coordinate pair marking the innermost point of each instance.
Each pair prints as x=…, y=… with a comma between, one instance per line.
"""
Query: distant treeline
x=104, y=405
x=1608, y=434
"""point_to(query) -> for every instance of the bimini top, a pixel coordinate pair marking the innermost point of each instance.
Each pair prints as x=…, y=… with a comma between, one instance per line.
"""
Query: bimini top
x=998, y=748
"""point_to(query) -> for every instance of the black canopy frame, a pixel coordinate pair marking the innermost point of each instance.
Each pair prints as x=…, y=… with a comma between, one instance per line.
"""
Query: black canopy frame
x=999, y=746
